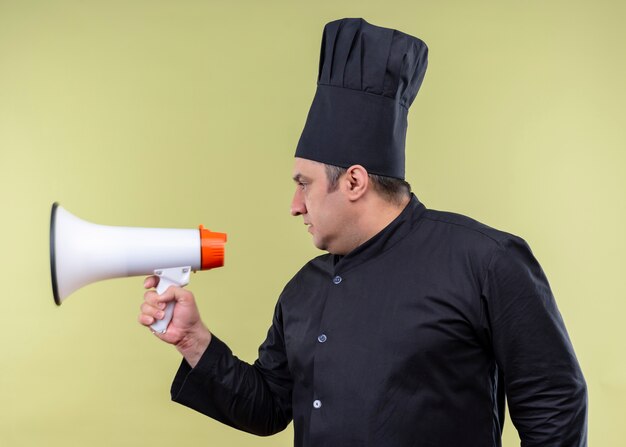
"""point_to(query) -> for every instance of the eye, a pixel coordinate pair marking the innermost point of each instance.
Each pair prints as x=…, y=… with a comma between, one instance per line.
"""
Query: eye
x=302, y=185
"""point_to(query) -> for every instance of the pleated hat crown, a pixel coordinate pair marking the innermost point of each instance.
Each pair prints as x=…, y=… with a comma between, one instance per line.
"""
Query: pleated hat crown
x=368, y=78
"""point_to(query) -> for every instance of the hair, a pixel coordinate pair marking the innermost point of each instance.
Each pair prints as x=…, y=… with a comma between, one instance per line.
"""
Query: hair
x=392, y=189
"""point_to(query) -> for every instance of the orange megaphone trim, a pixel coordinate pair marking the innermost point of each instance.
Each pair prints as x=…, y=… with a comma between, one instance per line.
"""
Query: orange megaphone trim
x=211, y=249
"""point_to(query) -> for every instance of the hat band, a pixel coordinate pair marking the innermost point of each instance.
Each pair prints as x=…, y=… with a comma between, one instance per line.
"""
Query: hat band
x=347, y=127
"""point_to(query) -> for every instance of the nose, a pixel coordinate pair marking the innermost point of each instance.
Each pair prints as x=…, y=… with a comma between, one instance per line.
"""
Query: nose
x=297, y=203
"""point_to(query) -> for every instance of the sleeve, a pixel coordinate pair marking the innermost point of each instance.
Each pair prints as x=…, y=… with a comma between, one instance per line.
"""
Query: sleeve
x=253, y=398
x=544, y=385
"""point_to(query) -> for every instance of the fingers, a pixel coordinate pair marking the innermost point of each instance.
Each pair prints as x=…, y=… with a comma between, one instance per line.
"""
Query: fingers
x=149, y=314
x=154, y=299
x=173, y=293
x=145, y=320
x=151, y=282
x=152, y=308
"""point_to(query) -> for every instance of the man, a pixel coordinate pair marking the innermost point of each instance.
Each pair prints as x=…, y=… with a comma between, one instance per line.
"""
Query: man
x=416, y=324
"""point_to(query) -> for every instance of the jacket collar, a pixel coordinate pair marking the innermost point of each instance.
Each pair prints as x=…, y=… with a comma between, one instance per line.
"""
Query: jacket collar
x=389, y=236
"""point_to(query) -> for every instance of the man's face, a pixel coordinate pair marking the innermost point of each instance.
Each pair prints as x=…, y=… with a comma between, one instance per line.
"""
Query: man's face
x=325, y=213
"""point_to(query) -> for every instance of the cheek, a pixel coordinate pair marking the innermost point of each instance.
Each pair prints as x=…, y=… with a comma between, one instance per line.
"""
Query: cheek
x=310, y=201
x=330, y=214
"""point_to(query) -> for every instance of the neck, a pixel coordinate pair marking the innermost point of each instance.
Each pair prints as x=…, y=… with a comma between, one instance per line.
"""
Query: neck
x=375, y=216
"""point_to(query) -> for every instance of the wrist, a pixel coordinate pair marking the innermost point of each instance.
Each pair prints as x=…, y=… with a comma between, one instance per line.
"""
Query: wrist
x=194, y=344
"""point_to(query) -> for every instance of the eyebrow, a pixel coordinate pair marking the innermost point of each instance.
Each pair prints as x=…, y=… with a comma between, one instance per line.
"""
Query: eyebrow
x=299, y=177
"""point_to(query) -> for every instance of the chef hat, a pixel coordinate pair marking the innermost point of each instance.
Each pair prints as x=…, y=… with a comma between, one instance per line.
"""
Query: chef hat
x=368, y=78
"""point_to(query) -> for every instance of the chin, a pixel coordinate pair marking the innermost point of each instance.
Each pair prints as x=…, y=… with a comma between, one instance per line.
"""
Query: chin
x=320, y=244
x=324, y=246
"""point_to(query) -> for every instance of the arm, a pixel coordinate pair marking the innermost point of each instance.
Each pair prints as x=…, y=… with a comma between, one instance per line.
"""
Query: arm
x=253, y=398
x=545, y=388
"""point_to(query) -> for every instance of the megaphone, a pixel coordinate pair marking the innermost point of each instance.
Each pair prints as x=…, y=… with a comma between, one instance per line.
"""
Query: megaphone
x=82, y=252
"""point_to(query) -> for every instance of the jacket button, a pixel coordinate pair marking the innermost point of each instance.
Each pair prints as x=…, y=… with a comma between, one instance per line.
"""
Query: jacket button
x=317, y=404
x=322, y=338
x=337, y=279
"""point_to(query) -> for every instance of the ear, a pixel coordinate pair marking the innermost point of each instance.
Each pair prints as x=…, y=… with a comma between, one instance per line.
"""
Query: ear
x=356, y=182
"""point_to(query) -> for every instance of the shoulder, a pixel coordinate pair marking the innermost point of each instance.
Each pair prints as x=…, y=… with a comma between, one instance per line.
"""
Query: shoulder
x=462, y=226
x=505, y=258
x=466, y=236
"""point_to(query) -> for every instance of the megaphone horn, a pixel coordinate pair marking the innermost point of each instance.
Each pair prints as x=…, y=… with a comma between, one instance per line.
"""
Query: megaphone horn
x=82, y=252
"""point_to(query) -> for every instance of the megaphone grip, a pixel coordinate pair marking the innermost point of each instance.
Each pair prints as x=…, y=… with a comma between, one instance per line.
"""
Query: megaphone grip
x=177, y=276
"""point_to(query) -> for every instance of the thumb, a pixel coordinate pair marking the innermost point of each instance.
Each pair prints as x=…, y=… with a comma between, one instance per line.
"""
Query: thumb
x=179, y=294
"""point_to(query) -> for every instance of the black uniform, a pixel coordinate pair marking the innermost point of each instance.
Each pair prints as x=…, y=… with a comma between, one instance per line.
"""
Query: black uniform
x=412, y=339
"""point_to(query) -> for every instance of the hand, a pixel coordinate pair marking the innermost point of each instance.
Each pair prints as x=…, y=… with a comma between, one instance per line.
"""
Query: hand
x=186, y=331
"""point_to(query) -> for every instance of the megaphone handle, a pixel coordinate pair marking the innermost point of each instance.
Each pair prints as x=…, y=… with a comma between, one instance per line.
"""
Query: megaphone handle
x=177, y=276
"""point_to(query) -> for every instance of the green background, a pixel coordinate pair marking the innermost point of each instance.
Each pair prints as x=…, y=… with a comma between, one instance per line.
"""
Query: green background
x=176, y=113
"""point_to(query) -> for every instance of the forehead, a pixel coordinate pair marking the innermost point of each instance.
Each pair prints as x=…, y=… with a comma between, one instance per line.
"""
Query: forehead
x=307, y=168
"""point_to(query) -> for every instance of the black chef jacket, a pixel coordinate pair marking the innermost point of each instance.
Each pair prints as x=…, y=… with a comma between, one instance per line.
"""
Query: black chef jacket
x=412, y=339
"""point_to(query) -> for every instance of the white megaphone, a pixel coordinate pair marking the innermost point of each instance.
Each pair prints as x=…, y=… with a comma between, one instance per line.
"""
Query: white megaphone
x=82, y=252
